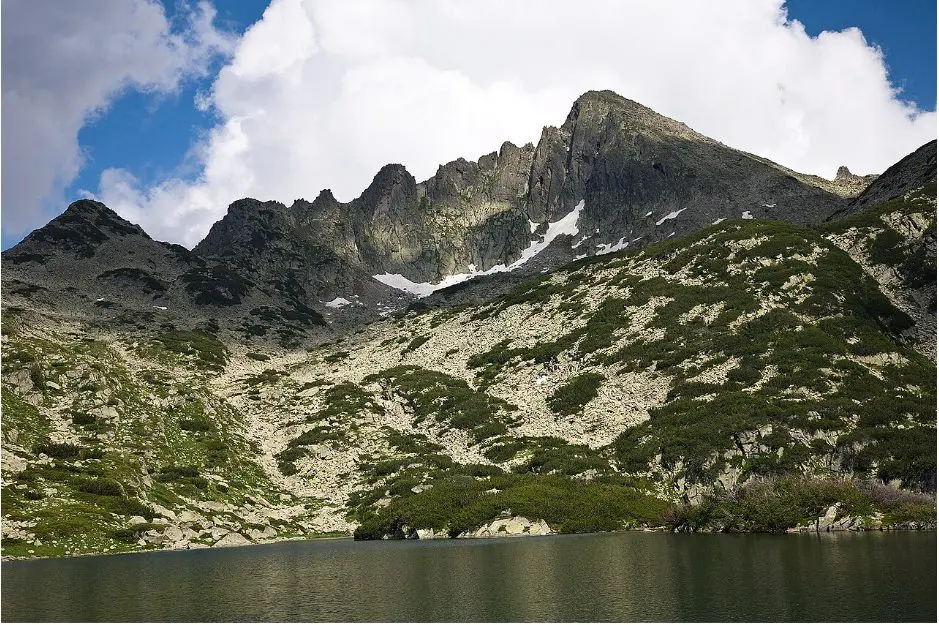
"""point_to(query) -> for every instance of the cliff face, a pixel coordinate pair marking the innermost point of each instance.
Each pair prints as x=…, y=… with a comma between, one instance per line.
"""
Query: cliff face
x=615, y=175
x=642, y=177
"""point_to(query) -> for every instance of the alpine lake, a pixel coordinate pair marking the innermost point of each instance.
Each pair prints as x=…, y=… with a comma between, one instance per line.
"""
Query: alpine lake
x=632, y=576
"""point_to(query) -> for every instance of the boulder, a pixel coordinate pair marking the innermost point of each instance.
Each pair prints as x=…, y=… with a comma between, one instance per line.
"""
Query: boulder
x=164, y=512
x=188, y=516
x=825, y=522
x=232, y=539
x=137, y=520
x=173, y=534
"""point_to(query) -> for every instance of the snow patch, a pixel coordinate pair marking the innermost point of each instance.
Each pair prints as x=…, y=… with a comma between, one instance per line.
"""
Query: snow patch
x=565, y=225
x=718, y=220
x=533, y=226
x=582, y=239
x=339, y=302
x=160, y=307
x=769, y=205
x=649, y=214
x=609, y=248
x=746, y=215
x=671, y=215
x=397, y=281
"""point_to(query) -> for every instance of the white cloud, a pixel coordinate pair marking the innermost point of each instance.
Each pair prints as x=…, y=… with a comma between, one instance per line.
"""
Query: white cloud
x=322, y=94
x=63, y=63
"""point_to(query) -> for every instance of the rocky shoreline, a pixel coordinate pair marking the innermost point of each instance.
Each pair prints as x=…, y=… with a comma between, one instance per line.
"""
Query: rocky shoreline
x=511, y=527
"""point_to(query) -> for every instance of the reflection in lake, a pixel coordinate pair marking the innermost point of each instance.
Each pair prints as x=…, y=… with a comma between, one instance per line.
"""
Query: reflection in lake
x=607, y=577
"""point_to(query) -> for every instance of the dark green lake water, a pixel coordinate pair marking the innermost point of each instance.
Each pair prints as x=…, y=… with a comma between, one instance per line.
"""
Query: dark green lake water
x=611, y=577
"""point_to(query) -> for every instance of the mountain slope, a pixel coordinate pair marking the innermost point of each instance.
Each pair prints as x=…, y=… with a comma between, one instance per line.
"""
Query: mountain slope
x=598, y=397
x=895, y=243
x=915, y=170
x=614, y=175
x=751, y=375
x=641, y=177
x=91, y=264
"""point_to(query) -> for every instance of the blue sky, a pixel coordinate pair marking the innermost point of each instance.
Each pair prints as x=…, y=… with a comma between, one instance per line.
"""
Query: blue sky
x=147, y=136
x=166, y=124
x=904, y=29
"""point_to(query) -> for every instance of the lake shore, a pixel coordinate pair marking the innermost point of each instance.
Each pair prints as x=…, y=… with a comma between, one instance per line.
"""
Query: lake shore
x=905, y=527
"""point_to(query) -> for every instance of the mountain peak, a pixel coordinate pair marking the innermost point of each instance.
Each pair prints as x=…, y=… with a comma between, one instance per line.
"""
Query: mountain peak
x=87, y=207
x=844, y=175
x=393, y=178
x=99, y=215
x=326, y=195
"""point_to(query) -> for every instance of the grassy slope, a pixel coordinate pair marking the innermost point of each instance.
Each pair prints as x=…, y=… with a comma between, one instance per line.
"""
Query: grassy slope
x=596, y=398
x=108, y=431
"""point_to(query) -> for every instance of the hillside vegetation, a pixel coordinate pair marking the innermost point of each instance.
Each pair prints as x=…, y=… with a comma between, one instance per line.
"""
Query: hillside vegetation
x=747, y=377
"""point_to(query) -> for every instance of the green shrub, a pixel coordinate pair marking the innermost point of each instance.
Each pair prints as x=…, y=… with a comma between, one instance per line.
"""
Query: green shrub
x=268, y=376
x=91, y=454
x=174, y=473
x=887, y=248
x=287, y=458
x=571, y=397
x=61, y=451
x=195, y=425
x=459, y=504
x=504, y=451
x=206, y=349
x=336, y=357
x=105, y=487
x=776, y=505
x=131, y=507
x=449, y=400
x=411, y=443
x=416, y=342
x=83, y=418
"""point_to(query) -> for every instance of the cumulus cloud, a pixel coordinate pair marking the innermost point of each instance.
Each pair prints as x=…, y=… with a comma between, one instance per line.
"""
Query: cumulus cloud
x=323, y=93
x=63, y=63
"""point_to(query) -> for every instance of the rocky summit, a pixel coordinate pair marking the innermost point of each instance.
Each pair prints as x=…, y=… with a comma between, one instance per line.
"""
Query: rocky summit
x=629, y=325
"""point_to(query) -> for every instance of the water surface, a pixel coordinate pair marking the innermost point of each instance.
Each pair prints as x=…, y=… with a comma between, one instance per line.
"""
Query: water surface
x=607, y=577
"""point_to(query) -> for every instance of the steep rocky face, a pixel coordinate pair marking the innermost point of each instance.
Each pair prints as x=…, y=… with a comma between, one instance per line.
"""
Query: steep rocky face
x=853, y=184
x=469, y=213
x=616, y=174
x=642, y=178
x=912, y=172
x=89, y=255
x=267, y=241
